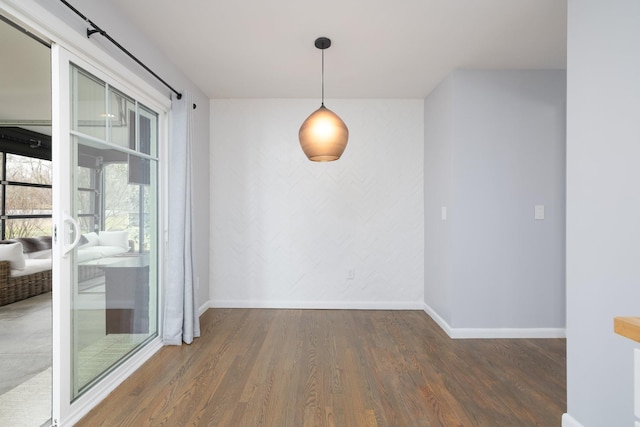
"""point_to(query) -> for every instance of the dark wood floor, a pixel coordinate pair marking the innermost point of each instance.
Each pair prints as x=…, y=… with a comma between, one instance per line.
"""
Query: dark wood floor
x=340, y=368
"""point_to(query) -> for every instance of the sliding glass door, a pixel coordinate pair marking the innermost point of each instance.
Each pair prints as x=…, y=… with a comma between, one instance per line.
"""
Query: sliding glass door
x=115, y=214
x=95, y=149
x=107, y=227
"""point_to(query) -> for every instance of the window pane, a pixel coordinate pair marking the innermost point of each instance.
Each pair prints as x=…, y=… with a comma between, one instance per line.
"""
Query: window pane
x=28, y=200
x=121, y=198
x=139, y=170
x=31, y=227
x=89, y=107
x=126, y=286
x=121, y=118
x=115, y=275
x=85, y=202
x=87, y=224
x=148, y=217
x=28, y=169
x=148, y=131
x=84, y=177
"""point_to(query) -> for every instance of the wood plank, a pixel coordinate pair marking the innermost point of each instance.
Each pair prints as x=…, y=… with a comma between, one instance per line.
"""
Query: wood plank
x=628, y=327
x=257, y=367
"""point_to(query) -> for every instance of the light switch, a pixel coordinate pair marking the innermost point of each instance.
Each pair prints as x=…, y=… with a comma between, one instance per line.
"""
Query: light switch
x=443, y=213
x=539, y=212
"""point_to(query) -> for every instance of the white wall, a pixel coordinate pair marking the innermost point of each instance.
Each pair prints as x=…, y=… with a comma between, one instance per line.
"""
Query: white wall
x=503, y=152
x=107, y=16
x=284, y=230
x=603, y=207
x=438, y=186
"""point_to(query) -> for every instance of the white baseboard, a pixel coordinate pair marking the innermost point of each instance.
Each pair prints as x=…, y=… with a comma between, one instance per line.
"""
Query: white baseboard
x=204, y=307
x=323, y=305
x=438, y=319
x=462, y=333
x=569, y=421
x=97, y=393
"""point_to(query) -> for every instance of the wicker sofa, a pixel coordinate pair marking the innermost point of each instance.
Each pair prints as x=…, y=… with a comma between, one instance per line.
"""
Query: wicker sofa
x=32, y=279
x=16, y=288
x=27, y=272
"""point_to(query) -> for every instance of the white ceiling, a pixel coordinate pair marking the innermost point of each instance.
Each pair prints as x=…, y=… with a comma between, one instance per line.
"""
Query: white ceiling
x=381, y=48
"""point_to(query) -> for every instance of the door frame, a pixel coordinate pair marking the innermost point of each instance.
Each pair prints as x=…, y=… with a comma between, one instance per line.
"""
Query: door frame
x=68, y=44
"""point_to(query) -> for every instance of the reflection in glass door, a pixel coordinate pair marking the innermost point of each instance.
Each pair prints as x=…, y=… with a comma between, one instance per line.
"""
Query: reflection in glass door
x=115, y=206
x=25, y=227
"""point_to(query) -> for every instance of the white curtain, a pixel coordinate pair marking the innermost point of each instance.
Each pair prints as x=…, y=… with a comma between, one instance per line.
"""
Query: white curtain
x=181, y=321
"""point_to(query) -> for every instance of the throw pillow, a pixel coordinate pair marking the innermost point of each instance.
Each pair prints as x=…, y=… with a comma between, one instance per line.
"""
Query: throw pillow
x=12, y=252
x=114, y=238
x=92, y=239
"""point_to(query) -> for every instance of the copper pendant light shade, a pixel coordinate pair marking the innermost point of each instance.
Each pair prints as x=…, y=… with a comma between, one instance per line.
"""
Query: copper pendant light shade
x=323, y=135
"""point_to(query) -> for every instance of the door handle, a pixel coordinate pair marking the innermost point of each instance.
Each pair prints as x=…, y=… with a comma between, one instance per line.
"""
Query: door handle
x=68, y=219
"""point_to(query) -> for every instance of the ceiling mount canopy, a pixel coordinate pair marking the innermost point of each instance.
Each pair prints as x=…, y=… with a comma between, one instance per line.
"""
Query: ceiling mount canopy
x=323, y=43
x=323, y=135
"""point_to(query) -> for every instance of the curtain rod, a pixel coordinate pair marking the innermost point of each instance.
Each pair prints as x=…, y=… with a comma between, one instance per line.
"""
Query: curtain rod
x=95, y=29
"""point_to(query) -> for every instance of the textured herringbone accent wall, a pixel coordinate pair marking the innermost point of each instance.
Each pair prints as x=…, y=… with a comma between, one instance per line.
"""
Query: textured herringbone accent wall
x=286, y=231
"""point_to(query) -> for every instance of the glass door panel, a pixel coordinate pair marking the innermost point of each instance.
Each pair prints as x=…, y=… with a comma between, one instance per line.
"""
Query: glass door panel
x=89, y=111
x=122, y=114
x=114, y=293
x=25, y=213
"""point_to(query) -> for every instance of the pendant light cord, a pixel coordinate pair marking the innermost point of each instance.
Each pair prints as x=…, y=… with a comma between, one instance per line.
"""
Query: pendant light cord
x=322, y=78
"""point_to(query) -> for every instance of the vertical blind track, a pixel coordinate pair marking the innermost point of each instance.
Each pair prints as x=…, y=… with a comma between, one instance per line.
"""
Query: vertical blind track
x=95, y=29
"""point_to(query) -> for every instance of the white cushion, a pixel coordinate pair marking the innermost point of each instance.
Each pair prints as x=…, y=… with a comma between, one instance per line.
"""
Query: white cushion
x=107, y=251
x=88, y=254
x=32, y=266
x=115, y=238
x=97, y=252
x=92, y=240
x=12, y=252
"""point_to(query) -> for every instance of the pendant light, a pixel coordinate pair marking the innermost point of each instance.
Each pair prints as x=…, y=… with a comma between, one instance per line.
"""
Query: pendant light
x=323, y=135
